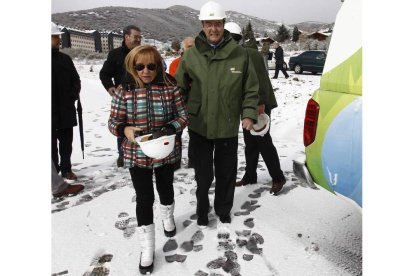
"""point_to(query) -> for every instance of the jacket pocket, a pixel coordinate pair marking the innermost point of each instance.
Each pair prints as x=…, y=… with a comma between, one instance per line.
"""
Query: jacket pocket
x=193, y=108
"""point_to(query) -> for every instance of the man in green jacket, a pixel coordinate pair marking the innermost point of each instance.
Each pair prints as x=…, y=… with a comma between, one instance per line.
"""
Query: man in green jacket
x=220, y=87
x=267, y=101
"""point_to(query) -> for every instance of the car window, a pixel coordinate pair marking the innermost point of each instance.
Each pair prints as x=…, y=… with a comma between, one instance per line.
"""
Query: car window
x=321, y=55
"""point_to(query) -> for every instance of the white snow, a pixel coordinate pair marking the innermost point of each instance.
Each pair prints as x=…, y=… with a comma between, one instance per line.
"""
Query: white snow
x=305, y=231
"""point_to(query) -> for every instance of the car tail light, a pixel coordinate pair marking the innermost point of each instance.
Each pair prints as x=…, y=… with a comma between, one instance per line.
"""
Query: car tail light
x=311, y=122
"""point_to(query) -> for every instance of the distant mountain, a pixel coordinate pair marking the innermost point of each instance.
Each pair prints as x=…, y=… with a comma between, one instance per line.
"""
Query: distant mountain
x=313, y=26
x=175, y=22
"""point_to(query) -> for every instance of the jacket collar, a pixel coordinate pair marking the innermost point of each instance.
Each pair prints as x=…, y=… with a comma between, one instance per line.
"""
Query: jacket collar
x=222, y=49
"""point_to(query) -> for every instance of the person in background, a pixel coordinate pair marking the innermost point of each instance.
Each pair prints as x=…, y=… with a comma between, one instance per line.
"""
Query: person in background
x=113, y=71
x=265, y=53
x=61, y=188
x=187, y=43
x=267, y=101
x=66, y=86
x=220, y=87
x=279, y=61
x=153, y=105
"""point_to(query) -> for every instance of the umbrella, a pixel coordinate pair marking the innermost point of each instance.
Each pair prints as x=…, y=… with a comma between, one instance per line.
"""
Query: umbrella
x=79, y=110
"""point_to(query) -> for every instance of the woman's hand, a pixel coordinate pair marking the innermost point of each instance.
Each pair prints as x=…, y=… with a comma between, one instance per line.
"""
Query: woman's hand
x=129, y=132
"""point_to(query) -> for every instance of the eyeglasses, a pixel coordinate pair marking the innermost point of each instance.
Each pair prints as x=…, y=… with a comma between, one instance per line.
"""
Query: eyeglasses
x=136, y=37
x=150, y=66
x=212, y=24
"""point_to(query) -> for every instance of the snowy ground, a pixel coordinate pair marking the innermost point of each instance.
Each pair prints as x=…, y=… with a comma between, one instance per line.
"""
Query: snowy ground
x=302, y=231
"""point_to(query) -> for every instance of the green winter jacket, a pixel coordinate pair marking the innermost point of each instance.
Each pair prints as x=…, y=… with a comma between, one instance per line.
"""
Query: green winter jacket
x=266, y=94
x=219, y=86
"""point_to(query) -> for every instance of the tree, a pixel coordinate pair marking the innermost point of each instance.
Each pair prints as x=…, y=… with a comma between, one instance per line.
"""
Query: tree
x=295, y=34
x=265, y=34
x=175, y=45
x=248, y=31
x=282, y=34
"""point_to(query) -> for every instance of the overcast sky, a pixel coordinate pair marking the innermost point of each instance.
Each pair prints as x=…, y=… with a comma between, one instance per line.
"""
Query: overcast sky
x=286, y=11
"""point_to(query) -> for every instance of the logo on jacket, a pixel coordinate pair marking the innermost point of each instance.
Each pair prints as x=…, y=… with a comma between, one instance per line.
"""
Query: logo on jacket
x=234, y=71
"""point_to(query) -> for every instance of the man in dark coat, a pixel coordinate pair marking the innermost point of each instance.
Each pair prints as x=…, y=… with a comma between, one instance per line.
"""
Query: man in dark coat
x=256, y=145
x=113, y=71
x=66, y=86
x=279, y=61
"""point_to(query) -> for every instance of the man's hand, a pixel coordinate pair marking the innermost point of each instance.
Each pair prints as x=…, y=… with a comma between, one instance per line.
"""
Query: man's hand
x=260, y=109
x=247, y=123
x=129, y=132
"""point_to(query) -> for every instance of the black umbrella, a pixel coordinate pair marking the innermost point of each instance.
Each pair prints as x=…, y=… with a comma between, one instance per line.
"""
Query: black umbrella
x=79, y=109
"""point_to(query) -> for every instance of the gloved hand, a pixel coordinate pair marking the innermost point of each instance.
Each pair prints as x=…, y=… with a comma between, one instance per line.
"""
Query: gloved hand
x=164, y=131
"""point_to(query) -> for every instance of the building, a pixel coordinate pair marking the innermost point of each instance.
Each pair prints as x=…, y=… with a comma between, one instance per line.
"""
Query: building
x=319, y=35
x=90, y=40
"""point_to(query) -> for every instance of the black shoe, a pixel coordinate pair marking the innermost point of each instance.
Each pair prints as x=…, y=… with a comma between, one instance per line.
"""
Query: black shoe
x=225, y=219
x=274, y=78
x=120, y=162
x=286, y=77
x=244, y=182
x=202, y=221
x=71, y=190
x=277, y=186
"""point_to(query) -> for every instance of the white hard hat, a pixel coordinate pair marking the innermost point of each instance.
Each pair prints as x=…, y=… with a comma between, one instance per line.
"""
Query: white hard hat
x=211, y=11
x=262, y=125
x=157, y=148
x=233, y=28
x=55, y=29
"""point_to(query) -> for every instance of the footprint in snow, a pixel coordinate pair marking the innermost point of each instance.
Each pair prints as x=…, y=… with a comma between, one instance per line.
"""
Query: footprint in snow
x=200, y=273
x=126, y=224
x=99, y=265
x=170, y=245
x=187, y=223
x=176, y=258
x=197, y=237
x=249, y=222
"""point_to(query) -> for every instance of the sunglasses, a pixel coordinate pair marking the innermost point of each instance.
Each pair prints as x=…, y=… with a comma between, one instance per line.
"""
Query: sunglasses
x=140, y=66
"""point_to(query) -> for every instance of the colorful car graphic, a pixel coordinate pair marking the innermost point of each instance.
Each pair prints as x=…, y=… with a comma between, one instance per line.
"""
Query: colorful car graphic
x=333, y=120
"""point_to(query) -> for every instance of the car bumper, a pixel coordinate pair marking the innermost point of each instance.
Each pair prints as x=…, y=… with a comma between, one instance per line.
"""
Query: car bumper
x=302, y=172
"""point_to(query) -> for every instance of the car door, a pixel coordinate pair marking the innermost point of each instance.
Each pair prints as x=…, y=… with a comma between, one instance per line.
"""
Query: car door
x=320, y=58
x=307, y=62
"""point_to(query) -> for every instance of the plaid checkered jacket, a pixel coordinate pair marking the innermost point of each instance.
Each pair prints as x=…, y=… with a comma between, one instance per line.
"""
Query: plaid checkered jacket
x=150, y=109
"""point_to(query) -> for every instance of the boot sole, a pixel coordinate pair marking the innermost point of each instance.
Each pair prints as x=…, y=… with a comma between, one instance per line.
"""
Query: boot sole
x=170, y=234
x=144, y=270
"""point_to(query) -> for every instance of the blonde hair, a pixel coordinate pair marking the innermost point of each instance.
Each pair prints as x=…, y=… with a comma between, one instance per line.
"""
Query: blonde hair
x=147, y=52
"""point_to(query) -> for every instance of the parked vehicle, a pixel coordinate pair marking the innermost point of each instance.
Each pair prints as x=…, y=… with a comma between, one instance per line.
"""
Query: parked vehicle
x=312, y=61
x=333, y=121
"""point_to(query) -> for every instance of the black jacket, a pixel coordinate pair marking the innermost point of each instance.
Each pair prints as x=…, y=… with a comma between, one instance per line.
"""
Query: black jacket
x=114, y=68
x=279, y=55
x=66, y=86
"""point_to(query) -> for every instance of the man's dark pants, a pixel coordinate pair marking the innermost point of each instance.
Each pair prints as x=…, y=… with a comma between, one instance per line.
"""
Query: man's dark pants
x=264, y=146
x=280, y=67
x=65, y=138
x=222, y=154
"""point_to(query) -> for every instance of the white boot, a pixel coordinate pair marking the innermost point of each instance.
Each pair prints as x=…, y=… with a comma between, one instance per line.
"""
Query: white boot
x=167, y=215
x=146, y=235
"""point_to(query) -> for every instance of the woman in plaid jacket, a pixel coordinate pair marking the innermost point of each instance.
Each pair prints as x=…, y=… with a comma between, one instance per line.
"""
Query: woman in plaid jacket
x=153, y=105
